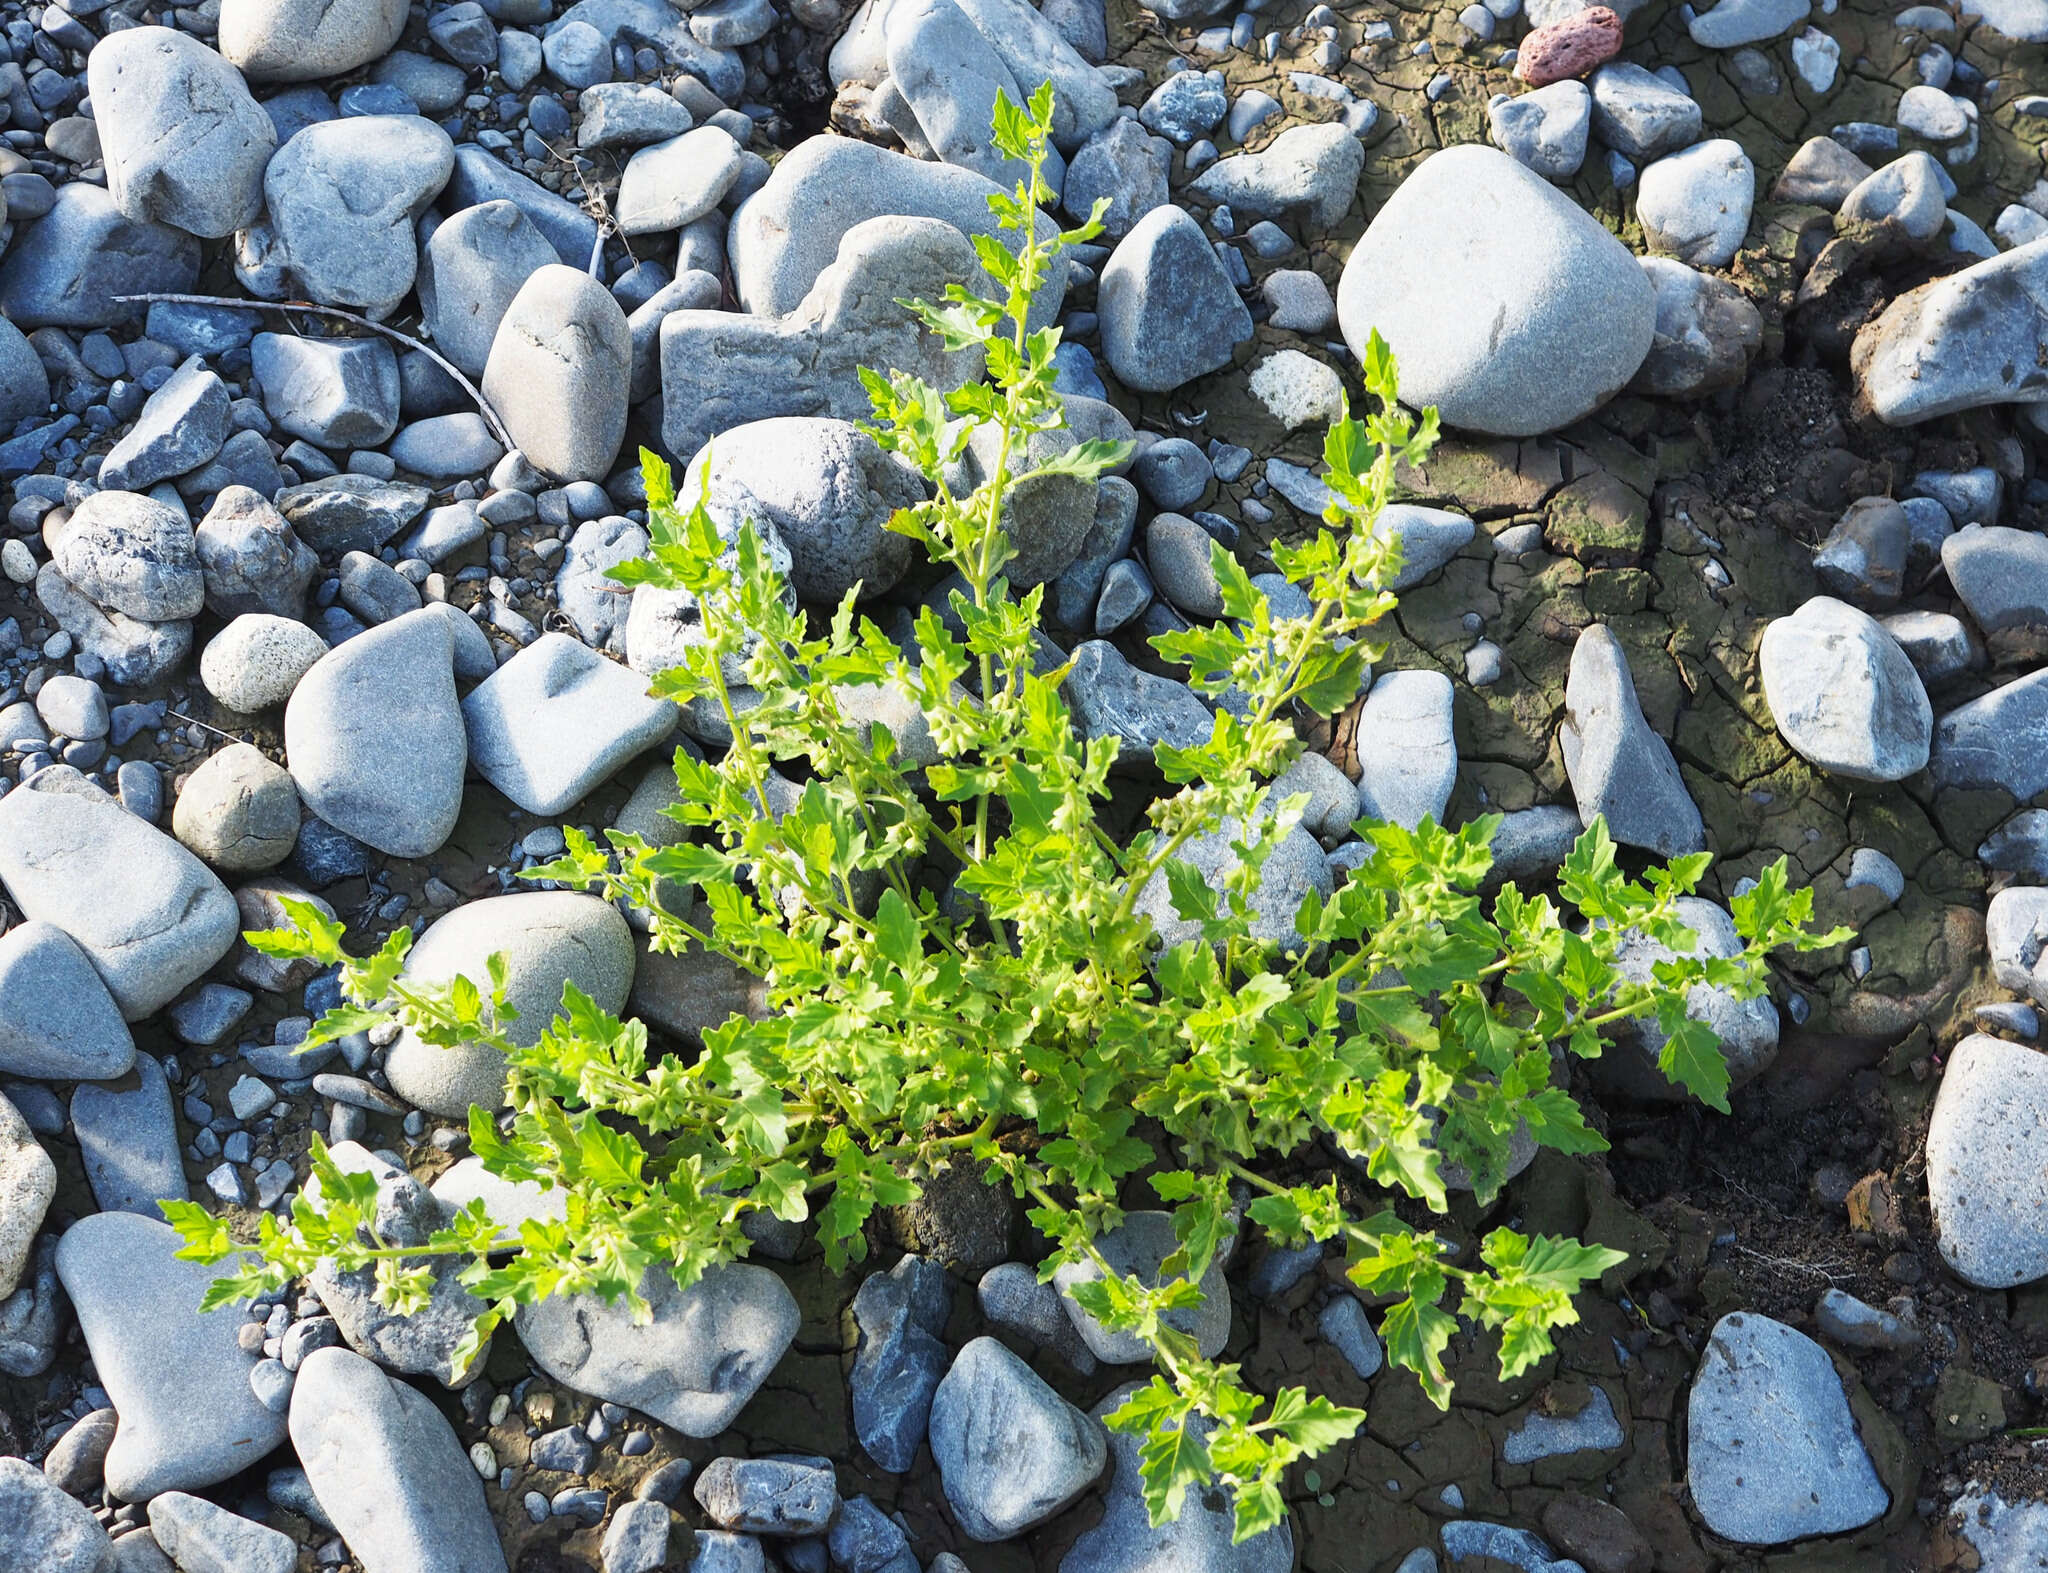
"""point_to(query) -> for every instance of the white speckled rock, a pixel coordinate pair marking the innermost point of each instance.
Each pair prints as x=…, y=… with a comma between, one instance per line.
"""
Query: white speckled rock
x=256, y=661
x=1987, y=1147
x=28, y=1179
x=1772, y=1450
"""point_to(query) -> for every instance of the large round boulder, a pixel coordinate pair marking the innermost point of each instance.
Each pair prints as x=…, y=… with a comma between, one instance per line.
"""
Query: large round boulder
x=1509, y=308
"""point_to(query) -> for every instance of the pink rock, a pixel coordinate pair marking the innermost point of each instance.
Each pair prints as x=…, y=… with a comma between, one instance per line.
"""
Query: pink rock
x=1558, y=51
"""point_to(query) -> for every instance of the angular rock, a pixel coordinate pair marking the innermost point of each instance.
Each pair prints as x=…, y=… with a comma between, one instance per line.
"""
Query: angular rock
x=1822, y=173
x=183, y=141
x=28, y=1179
x=1773, y=1455
x=57, y=1020
x=203, y=1538
x=1126, y=165
x=479, y=177
x=181, y=428
x=375, y=739
x=249, y=559
x=1546, y=129
x=47, y=1532
x=68, y=268
x=769, y=1496
x=1843, y=693
x=1998, y=740
x=1168, y=311
x=1707, y=330
x=1507, y=306
x=1307, y=172
x=1110, y=697
x=721, y=369
x=676, y=182
x=693, y=1366
x=335, y=393
x=386, y=1468
x=557, y=720
x=899, y=1364
x=790, y=231
x=1010, y=1451
x=1617, y=765
x=1970, y=339
x=547, y=937
x=1640, y=115
x=150, y=932
x=179, y=1378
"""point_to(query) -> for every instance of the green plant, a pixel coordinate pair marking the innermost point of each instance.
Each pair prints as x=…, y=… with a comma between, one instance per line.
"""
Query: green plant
x=961, y=968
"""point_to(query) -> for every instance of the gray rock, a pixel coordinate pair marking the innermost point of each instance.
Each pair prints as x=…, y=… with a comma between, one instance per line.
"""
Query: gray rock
x=720, y=369
x=1961, y=342
x=183, y=142
x=1197, y=1540
x=1177, y=550
x=1617, y=765
x=719, y=1552
x=24, y=384
x=129, y=1142
x=181, y=428
x=77, y=1460
x=302, y=40
x=135, y=653
x=559, y=372
x=769, y=1496
x=1124, y=164
x=2020, y=845
x=1407, y=752
x=29, y=1328
x=203, y=1538
x=1747, y=1029
x=2014, y=928
x=47, y=1532
x=1939, y=646
x=350, y=513
x=1308, y=173
x=637, y=1539
x=899, y=1364
x=1911, y=192
x=343, y=197
x=678, y=181
x=1822, y=173
x=375, y=738
x=1843, y=693
x=547, y=938
x=950, y=78
x=57, y=1020
x=1848, y=1321
x=628, y=114
x=1137, y=1247
x=149, y=934
x=693, y=1366
x=249, y=559
x=386, y=1468
x=1111, y=698
x=827, y=489
x=1343, y=1324
x=650, y=24
x=595, y=604
x=479, y=177
x=255, y=662
x=696, y=290
x=792, y=229
x=1168, y=310
x=133, y=555
x=1187, y=105
x=471, y=268
x=1546, y=129
x=1012, y=1297
x=28, y=1179
x=1695, y=205
x=68, y=267
x=1034, y=52
x=1707, y=330
x=557, y=720
x=238, y=811
x=2001, y=576
x=424, y=1341
x=335, y=393
x=1640, y=115
x=1734, y=23
x=179, y=1378
x=1011, y=1452
x=1429, y=537
x=1998, y=740
x=1507, y=306
x=1470, y=1539
x=1772, y=1450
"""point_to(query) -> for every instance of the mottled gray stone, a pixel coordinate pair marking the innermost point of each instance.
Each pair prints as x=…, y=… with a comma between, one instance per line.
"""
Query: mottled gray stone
x=1011, y=1452
x=1843, y=693
x=57, y=1019
x=1169, y=312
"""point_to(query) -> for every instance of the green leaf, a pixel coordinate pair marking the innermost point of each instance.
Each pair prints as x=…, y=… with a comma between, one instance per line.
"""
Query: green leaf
x=1691, y=1058
x=1171, y=1459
